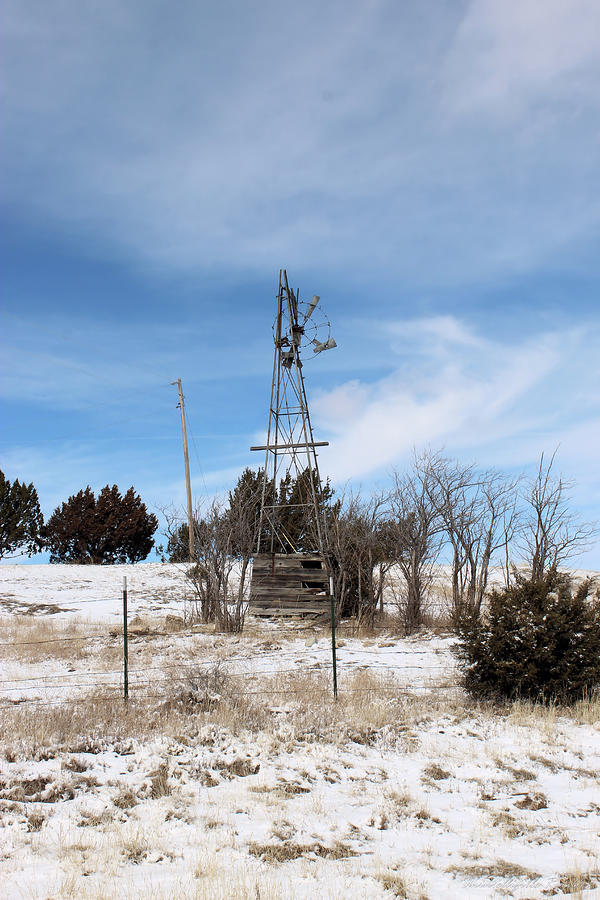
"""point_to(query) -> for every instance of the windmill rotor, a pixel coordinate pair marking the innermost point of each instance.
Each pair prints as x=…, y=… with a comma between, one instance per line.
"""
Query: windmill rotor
x=310, y=328
x=311, y=308
x=329, y=344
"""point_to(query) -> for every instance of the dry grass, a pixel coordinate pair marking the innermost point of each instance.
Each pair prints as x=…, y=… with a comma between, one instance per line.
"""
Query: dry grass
x=125, y=799
x=507, y=823
x=435, y=773
x=394, y=883
x=368, y=705
x=91, y=725
x=94, y=819
x=135, y=844
x=499, y=869
x=533, y=801
x=576, y=881
x=218, y=886
x=35, y=821
x=287, y=850
x=544, y=761
x=517, y=773
x=583, y=712
x=399, y=886
x=159, y=782
x=32, y=639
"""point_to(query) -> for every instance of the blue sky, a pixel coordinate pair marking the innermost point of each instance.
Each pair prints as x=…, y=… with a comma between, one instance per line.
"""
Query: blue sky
x=429, y=168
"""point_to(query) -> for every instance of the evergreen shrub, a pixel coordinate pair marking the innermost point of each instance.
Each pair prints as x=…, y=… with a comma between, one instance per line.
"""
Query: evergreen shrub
x=538, y=640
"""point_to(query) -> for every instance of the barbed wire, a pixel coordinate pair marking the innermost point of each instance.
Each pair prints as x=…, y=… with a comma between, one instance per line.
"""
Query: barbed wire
x=99, y=600
x=266, y=692
x=191, y=667
x=111, y=632
x=117, y=632
x=85, y=637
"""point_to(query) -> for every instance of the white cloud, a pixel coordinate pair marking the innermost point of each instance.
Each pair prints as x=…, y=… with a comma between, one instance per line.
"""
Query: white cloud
x=507, y=56
x=443, y=330
x=471, y=393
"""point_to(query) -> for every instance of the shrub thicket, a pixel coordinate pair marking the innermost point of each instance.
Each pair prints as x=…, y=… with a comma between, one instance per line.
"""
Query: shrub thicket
x=537, y=640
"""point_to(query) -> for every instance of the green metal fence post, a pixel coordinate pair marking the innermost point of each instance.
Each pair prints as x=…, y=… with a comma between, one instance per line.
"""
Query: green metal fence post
x=125, y=652
x=333, y=652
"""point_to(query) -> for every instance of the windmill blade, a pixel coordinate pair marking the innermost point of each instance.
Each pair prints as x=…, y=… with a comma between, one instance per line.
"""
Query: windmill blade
x=311, y=308
x=293, y=300
x=323, y=345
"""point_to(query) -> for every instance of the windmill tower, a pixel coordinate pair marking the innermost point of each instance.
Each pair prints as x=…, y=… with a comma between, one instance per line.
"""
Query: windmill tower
x=288, y=579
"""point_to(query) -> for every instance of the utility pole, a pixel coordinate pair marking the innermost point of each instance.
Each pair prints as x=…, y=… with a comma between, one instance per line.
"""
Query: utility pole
x=187, y=472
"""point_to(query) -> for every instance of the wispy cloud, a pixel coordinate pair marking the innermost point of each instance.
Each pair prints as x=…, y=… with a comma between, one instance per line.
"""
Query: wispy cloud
x=385, y=137
x=475, y=394
x=78, y=362
x=423, y=157
x=507, y=57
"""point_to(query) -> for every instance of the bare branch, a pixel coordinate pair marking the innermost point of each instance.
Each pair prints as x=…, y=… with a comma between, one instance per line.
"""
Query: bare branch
x=551, y=533
x=477, y=511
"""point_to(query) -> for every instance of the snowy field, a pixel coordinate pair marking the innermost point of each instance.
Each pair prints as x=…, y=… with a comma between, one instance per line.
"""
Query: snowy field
x=232, y=773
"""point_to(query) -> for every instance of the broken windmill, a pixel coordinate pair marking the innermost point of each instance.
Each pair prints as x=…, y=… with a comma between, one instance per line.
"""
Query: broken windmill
x=289, y=574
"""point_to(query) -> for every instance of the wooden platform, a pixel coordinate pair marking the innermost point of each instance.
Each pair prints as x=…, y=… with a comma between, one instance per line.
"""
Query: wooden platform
x=291, y=584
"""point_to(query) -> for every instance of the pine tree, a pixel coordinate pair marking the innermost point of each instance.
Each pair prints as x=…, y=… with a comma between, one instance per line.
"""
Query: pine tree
x=21, y=519
x=178, y=548
x=109, y=529
x=296, y=512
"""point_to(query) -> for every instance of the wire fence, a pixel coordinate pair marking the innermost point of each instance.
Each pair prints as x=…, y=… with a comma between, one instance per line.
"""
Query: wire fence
x=307, y=661
x=112, y=679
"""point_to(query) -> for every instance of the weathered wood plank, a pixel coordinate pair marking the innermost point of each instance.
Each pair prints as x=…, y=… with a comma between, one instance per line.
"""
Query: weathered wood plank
x=289, y=604
x=274, y=596
x=284, y=561
x=277, y=585
x=293, y=586
x=287, y=610
x=290, y=572
x=304, y=601
x=274, y=613
x=290, y=577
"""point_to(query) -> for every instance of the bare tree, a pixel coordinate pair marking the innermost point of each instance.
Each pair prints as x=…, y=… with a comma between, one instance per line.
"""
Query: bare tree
x=551, y=533
x=242, y=517
x=416, y=537
x=214, y=562
x=357, y=555
x=223, y=542
x=499, y=521
x=478, y=512
x=223, y=539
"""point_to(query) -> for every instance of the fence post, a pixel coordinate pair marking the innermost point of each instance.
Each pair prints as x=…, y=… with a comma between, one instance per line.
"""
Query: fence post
x=125, y=655
x=333, y=653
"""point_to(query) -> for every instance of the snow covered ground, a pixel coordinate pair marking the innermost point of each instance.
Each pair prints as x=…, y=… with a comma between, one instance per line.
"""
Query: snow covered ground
x=92, y=592
x=231, y=772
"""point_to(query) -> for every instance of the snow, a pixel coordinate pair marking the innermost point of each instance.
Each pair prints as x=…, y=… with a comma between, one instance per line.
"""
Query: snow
x=94, y=592
x=419, y=794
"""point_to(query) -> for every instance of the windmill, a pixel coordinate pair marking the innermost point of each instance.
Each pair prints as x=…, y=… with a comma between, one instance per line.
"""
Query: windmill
x=287, y=578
